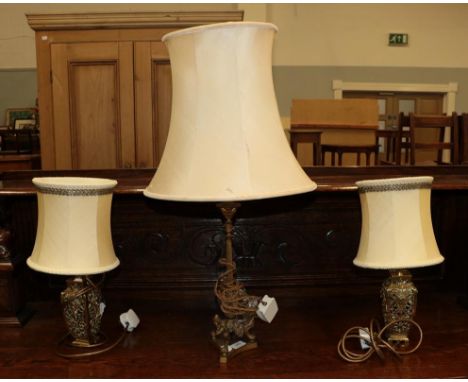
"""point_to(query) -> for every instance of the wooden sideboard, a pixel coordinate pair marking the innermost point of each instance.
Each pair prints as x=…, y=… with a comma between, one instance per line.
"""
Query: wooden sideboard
x=104, y=83
x=291, y=246
x=20, y=162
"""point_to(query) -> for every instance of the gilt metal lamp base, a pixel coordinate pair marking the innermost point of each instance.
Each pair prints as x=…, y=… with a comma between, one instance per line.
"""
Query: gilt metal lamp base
x=81, y=304
x=399, y=299
x=233, y=336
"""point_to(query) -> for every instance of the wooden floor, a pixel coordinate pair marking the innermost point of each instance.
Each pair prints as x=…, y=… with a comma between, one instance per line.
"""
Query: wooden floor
x=300, y=343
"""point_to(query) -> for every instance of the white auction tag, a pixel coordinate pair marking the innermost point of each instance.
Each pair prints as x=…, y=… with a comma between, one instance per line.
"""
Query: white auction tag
x=236, y=345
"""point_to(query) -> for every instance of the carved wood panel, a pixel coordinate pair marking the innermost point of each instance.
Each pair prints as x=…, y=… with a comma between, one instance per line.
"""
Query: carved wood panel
x=305, y=241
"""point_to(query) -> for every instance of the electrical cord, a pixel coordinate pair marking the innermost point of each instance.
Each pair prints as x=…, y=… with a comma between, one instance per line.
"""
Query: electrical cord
x=231, y=294
x=89, y=353
x=375, y=342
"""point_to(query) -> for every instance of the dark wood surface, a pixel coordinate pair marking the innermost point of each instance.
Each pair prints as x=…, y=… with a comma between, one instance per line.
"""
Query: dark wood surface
x=19, y=161
x=328, y=178
x=298, y=249
x=299, y=343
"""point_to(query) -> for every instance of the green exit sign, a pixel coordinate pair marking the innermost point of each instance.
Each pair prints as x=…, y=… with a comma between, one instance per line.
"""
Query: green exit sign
x=398, y=39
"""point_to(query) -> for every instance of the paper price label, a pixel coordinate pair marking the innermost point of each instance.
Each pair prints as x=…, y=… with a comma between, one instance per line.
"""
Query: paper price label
x=236, y=345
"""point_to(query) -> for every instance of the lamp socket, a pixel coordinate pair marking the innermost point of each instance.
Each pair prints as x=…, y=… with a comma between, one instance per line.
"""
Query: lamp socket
x=129, y=320
x=267, y=309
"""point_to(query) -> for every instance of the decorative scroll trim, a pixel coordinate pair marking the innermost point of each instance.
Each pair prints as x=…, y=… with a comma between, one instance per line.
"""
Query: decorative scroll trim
x=74, y=191
x=394, y=187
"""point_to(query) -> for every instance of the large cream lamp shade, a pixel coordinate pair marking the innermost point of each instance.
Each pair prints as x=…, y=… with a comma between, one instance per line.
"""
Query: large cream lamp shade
x=226, y=141
x=396, y=231
x=73, y=232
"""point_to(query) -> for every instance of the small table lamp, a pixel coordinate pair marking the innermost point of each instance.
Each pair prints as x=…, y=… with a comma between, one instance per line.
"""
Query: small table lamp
x=397, y=234
x=226, y=144
x=74, y=239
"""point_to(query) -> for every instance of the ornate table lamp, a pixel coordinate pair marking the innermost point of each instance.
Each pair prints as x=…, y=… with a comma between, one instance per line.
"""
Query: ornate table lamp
x=226, y=144
x=74, y=238
x=397, y=234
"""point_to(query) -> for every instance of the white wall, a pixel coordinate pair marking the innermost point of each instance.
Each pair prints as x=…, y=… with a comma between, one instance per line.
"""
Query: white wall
x=357, y=34
x=310, y=34
x=316, y=44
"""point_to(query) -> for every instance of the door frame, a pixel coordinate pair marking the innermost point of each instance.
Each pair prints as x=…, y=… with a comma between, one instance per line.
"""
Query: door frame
x=449, y=90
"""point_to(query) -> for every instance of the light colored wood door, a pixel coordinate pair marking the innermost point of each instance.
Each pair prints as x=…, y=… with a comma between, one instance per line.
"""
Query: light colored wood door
x=92, y=93
x=153, y=99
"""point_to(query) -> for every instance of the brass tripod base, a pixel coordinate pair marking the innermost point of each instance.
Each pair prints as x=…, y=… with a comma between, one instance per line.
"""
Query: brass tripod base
x=233, y=336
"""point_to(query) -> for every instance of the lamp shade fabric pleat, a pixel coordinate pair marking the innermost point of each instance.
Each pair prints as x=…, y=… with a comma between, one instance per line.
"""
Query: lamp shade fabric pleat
x=225, y=141
x=73, y=232
x=396, y=230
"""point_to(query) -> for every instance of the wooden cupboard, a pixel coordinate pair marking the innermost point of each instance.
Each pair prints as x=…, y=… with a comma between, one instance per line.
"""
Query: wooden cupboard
x=104, y=84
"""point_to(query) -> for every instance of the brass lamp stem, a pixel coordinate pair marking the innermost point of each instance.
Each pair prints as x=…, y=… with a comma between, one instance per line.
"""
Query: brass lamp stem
x=233, y=333
x=228, y=210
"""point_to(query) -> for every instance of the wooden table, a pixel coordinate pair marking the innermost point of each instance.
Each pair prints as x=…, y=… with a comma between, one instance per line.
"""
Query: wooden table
x=173, y=342
x=307, y=136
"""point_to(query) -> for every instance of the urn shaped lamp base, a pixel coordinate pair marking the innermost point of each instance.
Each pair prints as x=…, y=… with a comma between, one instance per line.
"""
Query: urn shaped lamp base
x=82, y=310
x=399, y=300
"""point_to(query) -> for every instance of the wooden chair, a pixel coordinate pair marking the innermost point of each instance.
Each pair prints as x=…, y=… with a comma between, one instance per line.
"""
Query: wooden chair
x=389, y=136
x=440, y=123
x=403, y=139
x=463, y=138
x=339, y=150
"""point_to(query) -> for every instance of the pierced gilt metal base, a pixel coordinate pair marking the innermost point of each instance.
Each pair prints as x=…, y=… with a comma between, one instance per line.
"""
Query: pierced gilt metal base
x=399, y=299
x=81, y=302
x=233, y=336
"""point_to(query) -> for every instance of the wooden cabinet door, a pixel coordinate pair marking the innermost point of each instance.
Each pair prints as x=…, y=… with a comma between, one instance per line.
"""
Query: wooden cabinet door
x=93, y=102
x=153, y=100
